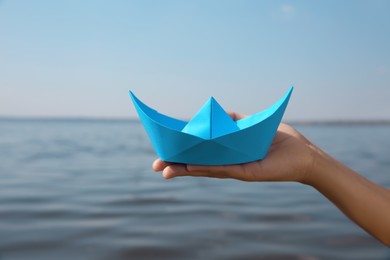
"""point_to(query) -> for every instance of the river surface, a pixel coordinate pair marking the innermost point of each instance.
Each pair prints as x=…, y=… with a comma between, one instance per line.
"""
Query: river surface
x=84, y=189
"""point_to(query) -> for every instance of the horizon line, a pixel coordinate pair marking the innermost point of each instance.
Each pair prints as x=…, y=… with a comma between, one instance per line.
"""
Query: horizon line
x=113, y=118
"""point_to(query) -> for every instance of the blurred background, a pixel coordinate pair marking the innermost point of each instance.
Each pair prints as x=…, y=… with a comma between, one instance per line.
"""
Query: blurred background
x=75, y=163
x=78, y=59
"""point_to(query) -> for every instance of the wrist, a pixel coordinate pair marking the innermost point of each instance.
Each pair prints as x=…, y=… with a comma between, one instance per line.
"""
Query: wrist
x=318, y=164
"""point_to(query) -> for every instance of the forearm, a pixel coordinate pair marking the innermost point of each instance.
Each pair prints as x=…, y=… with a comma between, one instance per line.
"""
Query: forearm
x=362, y=201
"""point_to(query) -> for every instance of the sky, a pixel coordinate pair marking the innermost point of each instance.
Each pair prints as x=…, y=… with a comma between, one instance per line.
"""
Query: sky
x=80, y=58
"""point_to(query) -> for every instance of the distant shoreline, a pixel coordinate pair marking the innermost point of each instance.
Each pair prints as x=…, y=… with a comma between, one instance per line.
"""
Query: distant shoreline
x=339, y=122
x=345, y=122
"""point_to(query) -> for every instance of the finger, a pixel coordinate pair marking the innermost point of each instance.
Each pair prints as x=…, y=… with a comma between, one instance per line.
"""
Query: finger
x=236, y=116
x=227, y=171
x=214, y=168
x=206, y=168
x=179, y=170
x=244, y=172
x=159, y=165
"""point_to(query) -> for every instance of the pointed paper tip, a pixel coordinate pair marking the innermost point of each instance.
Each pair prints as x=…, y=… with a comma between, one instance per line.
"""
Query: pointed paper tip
x=131, y=93
x=214, y=103
x=134, y=98
x=290, y=90
x=211, y=101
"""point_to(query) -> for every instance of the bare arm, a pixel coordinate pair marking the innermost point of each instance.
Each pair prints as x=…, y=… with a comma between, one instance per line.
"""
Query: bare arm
x=363, y=201
x=292, y=157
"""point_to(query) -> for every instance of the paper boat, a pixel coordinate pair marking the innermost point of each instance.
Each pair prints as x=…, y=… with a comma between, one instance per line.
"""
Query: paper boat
x=211, y=137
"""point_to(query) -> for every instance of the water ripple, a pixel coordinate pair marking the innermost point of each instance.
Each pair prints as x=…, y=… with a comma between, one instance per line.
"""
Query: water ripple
x=85, y=190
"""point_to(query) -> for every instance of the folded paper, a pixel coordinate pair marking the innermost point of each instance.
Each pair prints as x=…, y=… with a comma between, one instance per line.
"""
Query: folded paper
x=211, y=137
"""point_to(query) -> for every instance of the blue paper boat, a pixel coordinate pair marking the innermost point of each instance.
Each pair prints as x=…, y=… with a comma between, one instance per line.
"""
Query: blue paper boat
x=211, y=137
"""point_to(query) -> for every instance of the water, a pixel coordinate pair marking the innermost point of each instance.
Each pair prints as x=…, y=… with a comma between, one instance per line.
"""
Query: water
x=85, y=190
